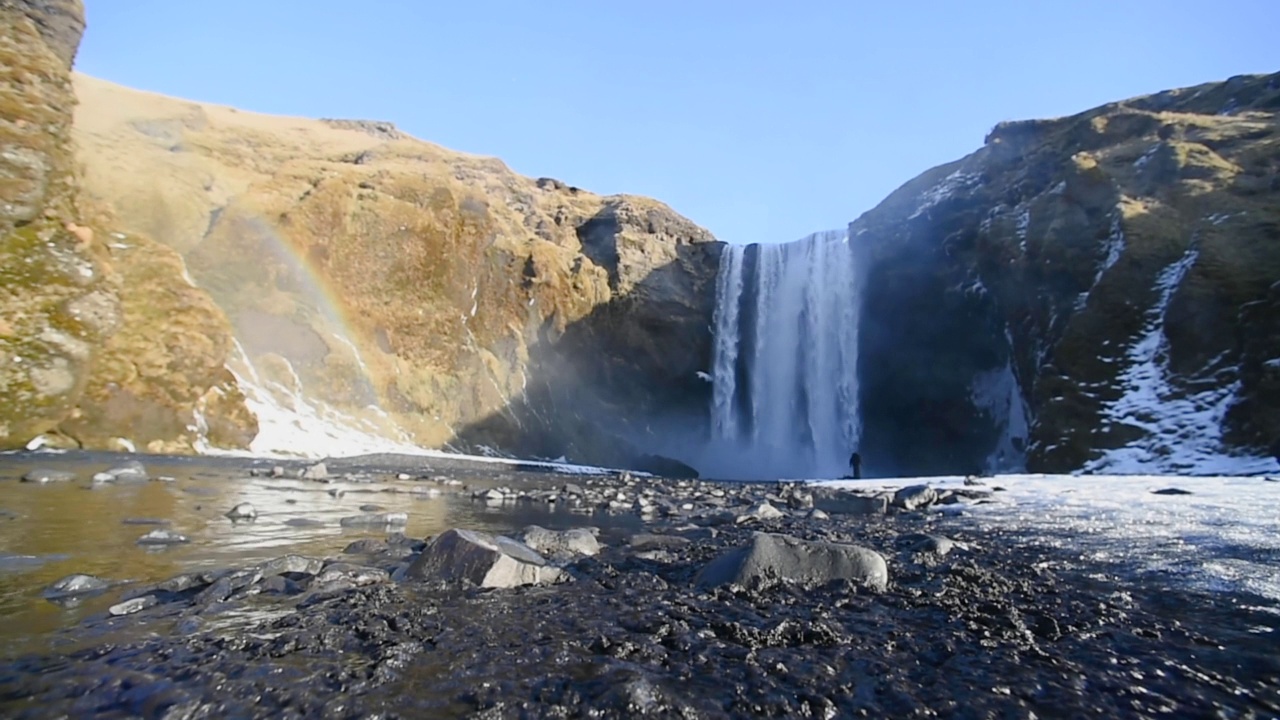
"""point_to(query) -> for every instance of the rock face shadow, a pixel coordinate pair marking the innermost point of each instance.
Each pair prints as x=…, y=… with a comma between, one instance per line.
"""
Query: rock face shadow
x=619, y=387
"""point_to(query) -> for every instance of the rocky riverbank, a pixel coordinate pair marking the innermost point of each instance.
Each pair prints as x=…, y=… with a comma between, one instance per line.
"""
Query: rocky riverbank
x=666, y=598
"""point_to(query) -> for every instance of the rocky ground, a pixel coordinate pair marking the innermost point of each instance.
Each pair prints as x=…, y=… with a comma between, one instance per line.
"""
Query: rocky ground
x=729, y=600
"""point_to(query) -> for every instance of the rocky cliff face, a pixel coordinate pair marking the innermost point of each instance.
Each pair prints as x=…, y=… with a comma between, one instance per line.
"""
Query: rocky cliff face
x=417, y=293
x=1092, y=292
x=100, y=337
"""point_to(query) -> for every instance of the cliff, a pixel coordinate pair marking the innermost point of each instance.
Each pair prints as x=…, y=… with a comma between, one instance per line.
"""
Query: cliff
x=1094, y=292
x=88, y=354
x=433, y=295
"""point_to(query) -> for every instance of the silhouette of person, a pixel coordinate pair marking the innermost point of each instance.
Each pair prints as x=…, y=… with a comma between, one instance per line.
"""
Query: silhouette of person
x=855, y=464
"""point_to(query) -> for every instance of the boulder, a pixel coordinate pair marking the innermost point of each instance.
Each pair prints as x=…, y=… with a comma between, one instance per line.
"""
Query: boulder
x=483, y=560
x=73, y=585
x=578, y=541
x=915, y=497
x=844, y=502
x=771, y=558
x=46, y=475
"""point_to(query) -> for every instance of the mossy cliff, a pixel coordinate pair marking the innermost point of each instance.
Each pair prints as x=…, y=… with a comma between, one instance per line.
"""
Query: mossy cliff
x=385, y=276
x=86, y=329
x=1122, y=264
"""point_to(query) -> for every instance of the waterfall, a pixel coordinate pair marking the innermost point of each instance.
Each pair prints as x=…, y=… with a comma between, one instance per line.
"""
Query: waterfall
x=785, y=374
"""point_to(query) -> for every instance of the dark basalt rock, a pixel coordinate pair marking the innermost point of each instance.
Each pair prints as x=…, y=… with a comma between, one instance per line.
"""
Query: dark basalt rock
x=772, y=558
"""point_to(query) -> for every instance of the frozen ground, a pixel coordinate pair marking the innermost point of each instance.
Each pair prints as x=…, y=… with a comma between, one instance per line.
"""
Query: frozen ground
x=1223, y=535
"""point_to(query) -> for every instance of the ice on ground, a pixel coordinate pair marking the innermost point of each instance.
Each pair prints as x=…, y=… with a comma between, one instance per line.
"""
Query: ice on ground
x=1224, y=536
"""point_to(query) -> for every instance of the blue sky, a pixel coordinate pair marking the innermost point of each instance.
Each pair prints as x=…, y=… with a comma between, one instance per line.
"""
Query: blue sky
x=763, y=121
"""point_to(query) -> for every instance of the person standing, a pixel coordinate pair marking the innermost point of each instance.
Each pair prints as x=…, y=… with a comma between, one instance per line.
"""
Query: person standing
x=855, y=464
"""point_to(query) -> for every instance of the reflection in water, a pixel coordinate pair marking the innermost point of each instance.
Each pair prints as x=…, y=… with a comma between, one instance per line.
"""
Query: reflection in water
x=50, y=531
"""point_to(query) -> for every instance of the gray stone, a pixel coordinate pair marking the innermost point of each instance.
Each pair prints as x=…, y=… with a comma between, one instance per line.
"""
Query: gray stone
x=915, y=497
x=930, y=544
x=578, y=541
x=138, y=604
x=349, y=575
x=481, y=559
x=844, y=502
x=771, y=558
x=132, y=471
x=243, y=511
x=375, y=520
x=297, y=564
x=816, y=514
x=77, y=584
x=46, y=475
x=316, y=472
x=163, y=537
x=649, y=541
x=303, y=522
x=371, y=508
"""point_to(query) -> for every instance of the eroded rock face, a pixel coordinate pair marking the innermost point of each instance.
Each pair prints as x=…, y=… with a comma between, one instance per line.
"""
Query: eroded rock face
x=100, y=336
x=362, y=267
x=1097, y=291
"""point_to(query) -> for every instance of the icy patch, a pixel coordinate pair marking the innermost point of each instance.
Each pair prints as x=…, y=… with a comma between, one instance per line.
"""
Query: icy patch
x=998, y=393
x=1183, y=430
x=1113, y=247
x=1221, y=537
x=949, y=186
x=1146, y=157
x=1024, y=223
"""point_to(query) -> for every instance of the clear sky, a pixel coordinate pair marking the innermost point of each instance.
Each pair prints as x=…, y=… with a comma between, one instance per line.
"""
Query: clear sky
x=762, y=120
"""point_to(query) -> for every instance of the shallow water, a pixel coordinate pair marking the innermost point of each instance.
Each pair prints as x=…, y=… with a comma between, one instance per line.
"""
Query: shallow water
x=49, y=531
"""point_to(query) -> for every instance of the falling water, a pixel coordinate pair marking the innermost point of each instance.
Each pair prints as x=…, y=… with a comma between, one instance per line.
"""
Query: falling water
x=785, y=380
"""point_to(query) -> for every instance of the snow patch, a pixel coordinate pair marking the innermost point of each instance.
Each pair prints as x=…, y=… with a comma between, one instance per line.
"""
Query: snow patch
x=1024, y=223
x=1146, y=157
x=950, y=185
x=1222, y=537
x=1183, y=429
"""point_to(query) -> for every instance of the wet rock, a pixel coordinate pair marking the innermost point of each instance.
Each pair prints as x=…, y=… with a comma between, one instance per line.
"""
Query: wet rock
x=303, y=522
x=375, y=520
x=357, y=575
x=649, y=541
x=144, y=521
x=929, y=544
x=316, y=472
x=573, y=489
x=371, y=508
x=77, y=584
x=816, y=514
x=161, y=536
x=184, y=582
x=578, y=541
x=46, y=475
x=915, y=497
x=367, y=546
x=844, y=502
x=770, y=558
x=1171, y=491
x=291, y=564
x=243, y=511
x=129, y=607
x=280, y=585
x=481, y=559
x=132, y=471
